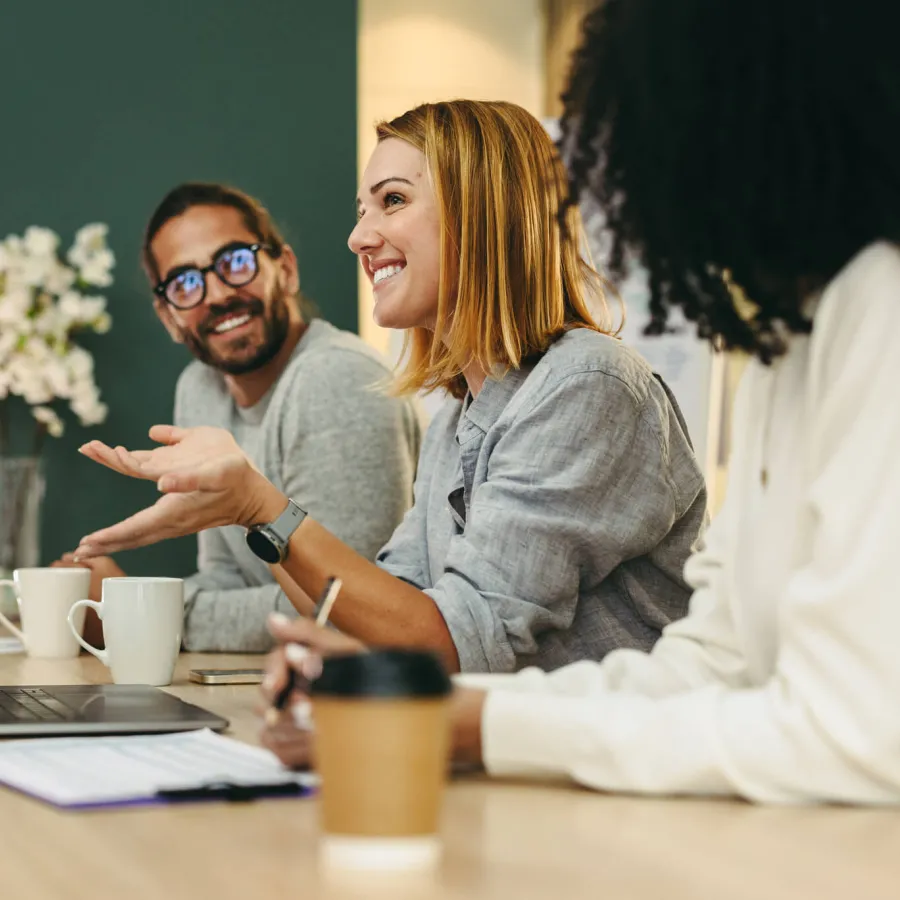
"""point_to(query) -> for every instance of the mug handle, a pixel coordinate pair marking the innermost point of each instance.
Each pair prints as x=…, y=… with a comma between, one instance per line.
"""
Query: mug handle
x=102, y=655
x=17, y=632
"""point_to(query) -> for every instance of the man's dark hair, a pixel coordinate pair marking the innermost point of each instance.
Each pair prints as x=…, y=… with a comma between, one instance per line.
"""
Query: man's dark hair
x=754, y=142
x=196, y=193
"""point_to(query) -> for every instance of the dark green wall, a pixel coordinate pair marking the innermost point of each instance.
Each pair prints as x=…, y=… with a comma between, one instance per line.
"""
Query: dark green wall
x=109, y=103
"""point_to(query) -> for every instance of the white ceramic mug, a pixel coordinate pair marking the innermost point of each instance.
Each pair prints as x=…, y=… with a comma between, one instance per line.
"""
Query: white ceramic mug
x=46, y=597
x=142, y=622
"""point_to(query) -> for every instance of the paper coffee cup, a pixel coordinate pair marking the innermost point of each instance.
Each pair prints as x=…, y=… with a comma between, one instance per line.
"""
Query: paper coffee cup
x=382, y=741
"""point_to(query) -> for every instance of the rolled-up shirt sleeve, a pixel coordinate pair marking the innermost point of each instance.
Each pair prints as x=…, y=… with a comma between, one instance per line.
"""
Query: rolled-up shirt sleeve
x=405, y=555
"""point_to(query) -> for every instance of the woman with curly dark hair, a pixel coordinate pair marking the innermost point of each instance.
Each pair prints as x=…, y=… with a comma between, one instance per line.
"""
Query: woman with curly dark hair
x=753, y=149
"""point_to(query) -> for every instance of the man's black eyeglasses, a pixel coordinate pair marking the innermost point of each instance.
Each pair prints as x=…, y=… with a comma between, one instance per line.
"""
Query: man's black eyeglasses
x=235, y=265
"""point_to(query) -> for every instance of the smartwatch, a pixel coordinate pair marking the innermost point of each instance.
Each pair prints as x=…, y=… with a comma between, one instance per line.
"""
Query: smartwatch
x=270, y=541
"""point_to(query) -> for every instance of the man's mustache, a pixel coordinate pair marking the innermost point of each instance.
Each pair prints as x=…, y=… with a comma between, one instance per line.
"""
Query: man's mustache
x=234, y=307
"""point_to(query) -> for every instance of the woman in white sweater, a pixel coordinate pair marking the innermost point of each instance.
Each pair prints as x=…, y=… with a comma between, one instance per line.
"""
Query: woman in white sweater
x=751, y=144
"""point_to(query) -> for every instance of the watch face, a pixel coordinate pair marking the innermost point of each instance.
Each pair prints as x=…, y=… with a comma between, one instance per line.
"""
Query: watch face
x=263, y=546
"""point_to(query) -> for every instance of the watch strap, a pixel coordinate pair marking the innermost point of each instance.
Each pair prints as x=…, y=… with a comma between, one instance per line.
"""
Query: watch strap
x=269, y=541
x=288, y=522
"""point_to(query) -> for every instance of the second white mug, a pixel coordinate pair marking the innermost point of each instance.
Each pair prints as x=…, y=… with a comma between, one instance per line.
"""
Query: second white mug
x=142, y=625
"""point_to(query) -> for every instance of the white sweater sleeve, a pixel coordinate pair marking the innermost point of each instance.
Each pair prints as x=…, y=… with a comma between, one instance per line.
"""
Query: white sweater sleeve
x=825, y=726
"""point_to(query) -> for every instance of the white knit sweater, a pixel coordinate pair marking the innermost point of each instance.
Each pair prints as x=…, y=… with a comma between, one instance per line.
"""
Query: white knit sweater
x=782, y=685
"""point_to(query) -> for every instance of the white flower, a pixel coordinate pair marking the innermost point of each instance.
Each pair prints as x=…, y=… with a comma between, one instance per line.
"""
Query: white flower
x=103, y=323
x=96, y=269
x=85, y=403
x=14, y=306
x=39, y=310
x=35, y=270
x=92, y=237
x=93, y=414
x=79, y=362
x=90, y=241
x=48, y=417
x=8, y=340
x=49, y=323
x=92, y=308
x=26, y=380
x=69, y=306
x=36, y=347
x=59, y=279
x=56, y=377
x=41, y=241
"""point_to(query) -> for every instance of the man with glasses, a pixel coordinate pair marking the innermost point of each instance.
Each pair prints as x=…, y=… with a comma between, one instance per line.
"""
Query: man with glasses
x=302, y=398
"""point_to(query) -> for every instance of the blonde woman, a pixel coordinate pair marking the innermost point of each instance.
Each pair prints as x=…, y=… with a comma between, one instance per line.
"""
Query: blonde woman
x=557, y=497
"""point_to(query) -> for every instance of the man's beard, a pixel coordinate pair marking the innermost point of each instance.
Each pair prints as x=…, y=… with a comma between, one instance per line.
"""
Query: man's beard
x=246, y=354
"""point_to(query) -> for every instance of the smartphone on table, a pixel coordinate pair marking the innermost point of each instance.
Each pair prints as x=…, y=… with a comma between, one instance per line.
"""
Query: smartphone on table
x=226, y=676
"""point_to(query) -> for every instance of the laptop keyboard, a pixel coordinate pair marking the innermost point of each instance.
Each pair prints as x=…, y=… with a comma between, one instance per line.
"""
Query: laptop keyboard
x=31, y=705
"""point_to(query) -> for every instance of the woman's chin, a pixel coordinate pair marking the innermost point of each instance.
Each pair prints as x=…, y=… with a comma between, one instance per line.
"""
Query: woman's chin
x=385, y=317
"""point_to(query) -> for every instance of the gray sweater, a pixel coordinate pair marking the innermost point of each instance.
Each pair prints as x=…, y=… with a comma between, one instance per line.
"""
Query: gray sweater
x=328, y=436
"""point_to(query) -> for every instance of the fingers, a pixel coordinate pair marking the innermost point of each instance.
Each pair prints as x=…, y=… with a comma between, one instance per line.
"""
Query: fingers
x=106, y=456
x=69, y=559
x=276, y=675
x=284, y=630
x=181, y=482
x=292, y=746
x=303, y=661
x=134, y=463
x=325, y=641
x=168, y=434
x=278, y=665
x=149, y=526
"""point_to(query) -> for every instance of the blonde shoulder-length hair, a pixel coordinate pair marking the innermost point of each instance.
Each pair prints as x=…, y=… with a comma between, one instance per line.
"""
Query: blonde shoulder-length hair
x=512, y=277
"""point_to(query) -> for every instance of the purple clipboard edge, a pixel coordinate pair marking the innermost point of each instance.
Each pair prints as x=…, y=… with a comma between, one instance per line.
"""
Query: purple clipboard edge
x=136, y=802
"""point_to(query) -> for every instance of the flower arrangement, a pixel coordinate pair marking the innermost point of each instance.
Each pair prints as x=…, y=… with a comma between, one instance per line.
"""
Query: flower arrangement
x=46, y=299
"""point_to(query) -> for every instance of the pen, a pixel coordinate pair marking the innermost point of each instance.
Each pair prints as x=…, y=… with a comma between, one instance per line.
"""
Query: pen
x=326, y=602
x=234, y=793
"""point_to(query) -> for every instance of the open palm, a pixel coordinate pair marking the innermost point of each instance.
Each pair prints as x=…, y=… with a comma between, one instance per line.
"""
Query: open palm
x=206, y=478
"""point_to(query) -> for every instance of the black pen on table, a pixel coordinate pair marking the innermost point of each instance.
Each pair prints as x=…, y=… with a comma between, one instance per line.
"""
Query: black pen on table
x=326, y=602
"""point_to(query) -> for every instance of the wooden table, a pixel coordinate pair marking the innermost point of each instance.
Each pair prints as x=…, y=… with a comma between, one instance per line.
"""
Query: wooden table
x=504, y=841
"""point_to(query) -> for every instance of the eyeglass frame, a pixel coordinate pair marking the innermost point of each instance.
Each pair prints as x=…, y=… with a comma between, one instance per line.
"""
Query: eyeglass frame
x=160, y=289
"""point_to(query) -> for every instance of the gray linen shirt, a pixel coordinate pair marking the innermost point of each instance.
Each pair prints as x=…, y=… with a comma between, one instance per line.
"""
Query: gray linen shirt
x=327, y=435
x=554, y=512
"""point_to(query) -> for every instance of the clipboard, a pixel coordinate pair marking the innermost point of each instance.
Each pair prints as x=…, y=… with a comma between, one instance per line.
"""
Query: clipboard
x=84, y=773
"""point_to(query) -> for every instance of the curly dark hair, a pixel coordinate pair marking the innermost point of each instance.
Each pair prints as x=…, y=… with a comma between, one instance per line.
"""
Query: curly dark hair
x=756, y=142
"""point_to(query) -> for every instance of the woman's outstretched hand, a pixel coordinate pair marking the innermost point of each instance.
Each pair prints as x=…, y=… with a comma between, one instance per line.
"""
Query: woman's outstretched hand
x=206, y=480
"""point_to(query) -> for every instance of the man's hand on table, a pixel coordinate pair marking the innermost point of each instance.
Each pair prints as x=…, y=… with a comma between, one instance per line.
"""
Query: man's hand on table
x=100, y=567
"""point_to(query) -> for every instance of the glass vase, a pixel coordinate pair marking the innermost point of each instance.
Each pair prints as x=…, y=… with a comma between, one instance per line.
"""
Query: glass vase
x=21, y=493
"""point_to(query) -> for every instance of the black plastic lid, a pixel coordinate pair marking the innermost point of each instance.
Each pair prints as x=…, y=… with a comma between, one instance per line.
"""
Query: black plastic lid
x=382, y=673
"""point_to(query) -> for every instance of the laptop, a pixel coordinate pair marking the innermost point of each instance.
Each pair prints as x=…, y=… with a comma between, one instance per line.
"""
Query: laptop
x=83, y=709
